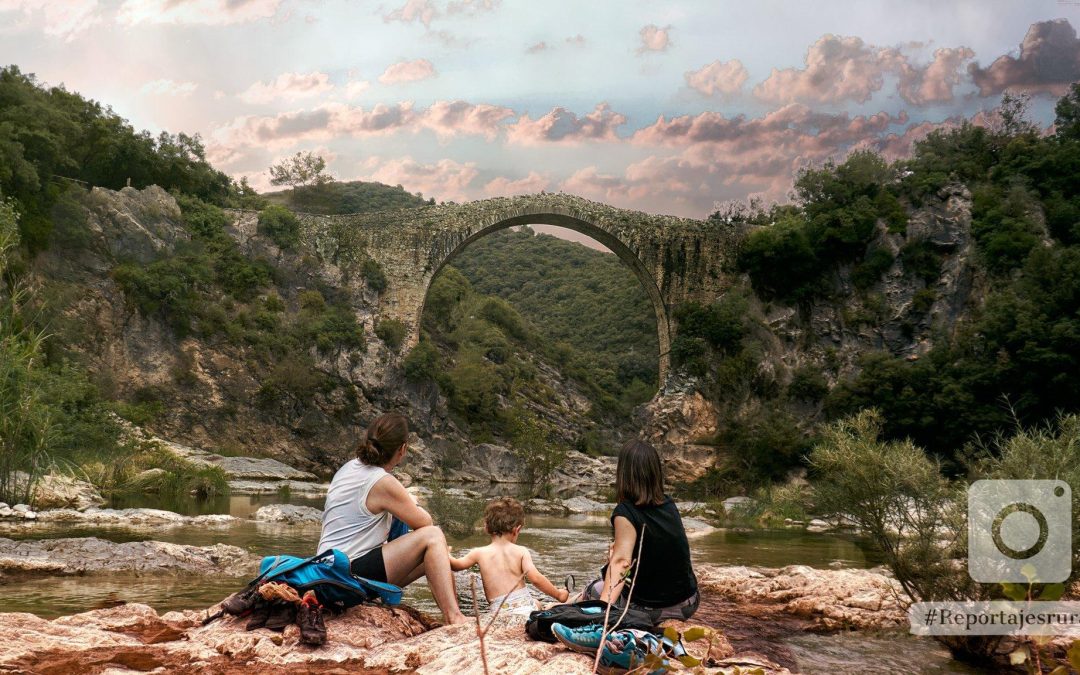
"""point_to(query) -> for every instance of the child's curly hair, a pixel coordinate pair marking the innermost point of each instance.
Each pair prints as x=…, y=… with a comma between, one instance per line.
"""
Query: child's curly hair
x=502, y=515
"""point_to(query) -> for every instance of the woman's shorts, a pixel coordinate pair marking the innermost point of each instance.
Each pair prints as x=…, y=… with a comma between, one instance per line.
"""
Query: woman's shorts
x=370, y=565
x=681, y=611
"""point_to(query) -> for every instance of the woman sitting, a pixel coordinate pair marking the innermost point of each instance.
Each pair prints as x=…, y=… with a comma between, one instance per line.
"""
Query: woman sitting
x=362, y=501
x=646, y=519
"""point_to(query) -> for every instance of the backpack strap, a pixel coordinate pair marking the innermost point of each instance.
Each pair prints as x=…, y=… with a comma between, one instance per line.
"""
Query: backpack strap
x=277, y=569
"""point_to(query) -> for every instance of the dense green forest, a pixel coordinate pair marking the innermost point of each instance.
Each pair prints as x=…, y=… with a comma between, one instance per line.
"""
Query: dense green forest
x=572, y=295
x=1015, y=361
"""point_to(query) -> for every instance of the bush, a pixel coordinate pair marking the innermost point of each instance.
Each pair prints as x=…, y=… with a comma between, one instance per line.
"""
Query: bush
x=392, y=332
x=281, y=225
x=808, y=383
x=897, y=496
x=422, y=362
x=456, y=515
x=533, y=446
x=869, y=270
x=374, y=276
x=204, y=220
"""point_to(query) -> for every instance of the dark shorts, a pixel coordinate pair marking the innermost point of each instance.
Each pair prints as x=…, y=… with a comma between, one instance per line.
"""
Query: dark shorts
x=681, y=611
x=370, y=565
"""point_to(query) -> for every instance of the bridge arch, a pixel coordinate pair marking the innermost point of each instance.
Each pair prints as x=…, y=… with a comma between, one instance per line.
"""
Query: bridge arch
x=645, y=276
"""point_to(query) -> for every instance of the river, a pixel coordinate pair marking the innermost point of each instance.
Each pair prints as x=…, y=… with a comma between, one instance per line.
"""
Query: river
x=562, y=546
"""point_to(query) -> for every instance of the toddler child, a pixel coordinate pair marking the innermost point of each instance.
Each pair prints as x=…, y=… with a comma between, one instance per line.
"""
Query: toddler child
x=504, y=565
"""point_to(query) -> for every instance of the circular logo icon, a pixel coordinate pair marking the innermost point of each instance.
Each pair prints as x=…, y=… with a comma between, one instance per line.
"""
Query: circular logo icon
x=1031, y=550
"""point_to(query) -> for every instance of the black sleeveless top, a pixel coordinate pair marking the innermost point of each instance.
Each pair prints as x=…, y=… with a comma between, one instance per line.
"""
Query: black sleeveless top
x=664, y=574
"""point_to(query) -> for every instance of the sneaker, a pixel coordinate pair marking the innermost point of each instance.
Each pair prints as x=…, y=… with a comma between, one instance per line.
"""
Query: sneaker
x=629, y=650
x=585, y=639
x=240, y=603
x=310, y=618
x=281, y=614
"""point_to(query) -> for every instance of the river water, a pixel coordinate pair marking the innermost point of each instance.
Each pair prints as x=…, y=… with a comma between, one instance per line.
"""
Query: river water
x=562, y=546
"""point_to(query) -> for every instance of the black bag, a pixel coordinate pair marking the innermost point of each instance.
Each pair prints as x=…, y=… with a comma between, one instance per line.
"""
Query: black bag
x=583, y=613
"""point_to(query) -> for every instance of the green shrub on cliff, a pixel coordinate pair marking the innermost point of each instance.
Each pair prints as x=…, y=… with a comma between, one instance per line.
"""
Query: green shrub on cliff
x=281, y=225
x=392, y=332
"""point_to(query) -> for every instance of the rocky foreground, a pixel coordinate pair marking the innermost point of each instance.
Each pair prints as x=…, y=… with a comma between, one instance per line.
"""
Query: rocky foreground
x=751, y=609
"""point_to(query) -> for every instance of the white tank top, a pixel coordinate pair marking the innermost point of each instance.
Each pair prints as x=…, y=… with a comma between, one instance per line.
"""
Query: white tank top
x=347, y=525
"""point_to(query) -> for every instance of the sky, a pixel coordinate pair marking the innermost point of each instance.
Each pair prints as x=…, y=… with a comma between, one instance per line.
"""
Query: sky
x=667, y=107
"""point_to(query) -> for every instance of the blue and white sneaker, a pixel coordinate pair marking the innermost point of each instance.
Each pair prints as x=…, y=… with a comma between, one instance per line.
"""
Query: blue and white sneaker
x=585, y=639
x=627, y=650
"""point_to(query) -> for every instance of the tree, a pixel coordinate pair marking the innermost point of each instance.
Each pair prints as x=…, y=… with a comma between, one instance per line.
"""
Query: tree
x=1067, y=111
x=304, y=169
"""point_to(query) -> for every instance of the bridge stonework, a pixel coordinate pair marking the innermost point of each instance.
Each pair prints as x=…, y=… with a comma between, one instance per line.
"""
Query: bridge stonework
x=674, y=259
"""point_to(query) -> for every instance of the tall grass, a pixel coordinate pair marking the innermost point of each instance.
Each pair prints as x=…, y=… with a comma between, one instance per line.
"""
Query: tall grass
x=26, y=426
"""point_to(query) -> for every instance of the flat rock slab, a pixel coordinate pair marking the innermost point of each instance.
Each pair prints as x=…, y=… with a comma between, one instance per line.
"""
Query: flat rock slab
x=296, y=488
x=133, y=518
x=241, y=468
x=90, y=555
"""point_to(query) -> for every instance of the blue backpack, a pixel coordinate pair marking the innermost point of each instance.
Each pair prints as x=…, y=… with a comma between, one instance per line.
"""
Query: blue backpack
x=329, y=575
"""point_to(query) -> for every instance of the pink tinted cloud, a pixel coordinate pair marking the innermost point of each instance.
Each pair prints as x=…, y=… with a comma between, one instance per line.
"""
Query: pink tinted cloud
x=209, y=12
x=933, y=83
x=407, y=71
x=59, y=19
x=723, y=78
x=445, y=179
x=505, y=187
x=1049, y=62
x=541, y=46
x=563, y=126
x=288, y=87
x=837, y=68
x=413, y=10
x=452, y=118
x=337, y=120
x=701, y=159
x=654, y=39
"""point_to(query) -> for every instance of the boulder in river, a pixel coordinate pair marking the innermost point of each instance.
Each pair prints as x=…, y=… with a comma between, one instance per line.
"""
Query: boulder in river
x=289, y=514
x=90, y=555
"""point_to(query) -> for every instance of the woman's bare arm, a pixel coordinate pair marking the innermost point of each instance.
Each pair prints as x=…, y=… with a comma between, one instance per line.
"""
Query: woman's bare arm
x=622, y=554
x=388, y=494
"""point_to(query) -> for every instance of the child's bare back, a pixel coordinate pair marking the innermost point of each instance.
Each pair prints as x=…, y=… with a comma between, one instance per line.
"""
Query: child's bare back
x=505, y=565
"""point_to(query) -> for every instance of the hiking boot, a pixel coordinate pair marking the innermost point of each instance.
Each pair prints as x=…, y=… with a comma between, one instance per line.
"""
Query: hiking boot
x=260, y=612
x=281, y=614
x=240, y=603
x=310, y=618
x=585, y=639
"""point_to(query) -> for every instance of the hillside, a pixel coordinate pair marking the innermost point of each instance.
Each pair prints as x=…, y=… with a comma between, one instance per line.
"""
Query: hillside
x=346, y=197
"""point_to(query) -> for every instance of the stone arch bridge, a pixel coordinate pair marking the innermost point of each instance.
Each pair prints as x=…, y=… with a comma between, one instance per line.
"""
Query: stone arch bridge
x=674, y=259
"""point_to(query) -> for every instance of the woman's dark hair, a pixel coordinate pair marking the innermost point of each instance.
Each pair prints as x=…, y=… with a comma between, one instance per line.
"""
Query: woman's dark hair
x=384, y=437
x=639, y=477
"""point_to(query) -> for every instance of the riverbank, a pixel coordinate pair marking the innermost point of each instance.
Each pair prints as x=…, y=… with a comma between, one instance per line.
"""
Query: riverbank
x=380, y=639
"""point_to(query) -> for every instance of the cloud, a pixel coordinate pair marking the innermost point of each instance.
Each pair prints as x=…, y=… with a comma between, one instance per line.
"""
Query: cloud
x=719, y=77
x=654, y=39
x=562, y=126
x=537, y=48
x=933, y=83
x=446, y=119
x=699, y=159
x=355, y=88
x=288, y=87
x=168, y=88
x=414, y=10
x=837, y=68
x=59, y=19
x=426, y=11
x=208, y=12
x=451, y=118
x=1049, y=62
x=576, y=40
x=407, y=71
x=502, y=186
x=445, y=179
